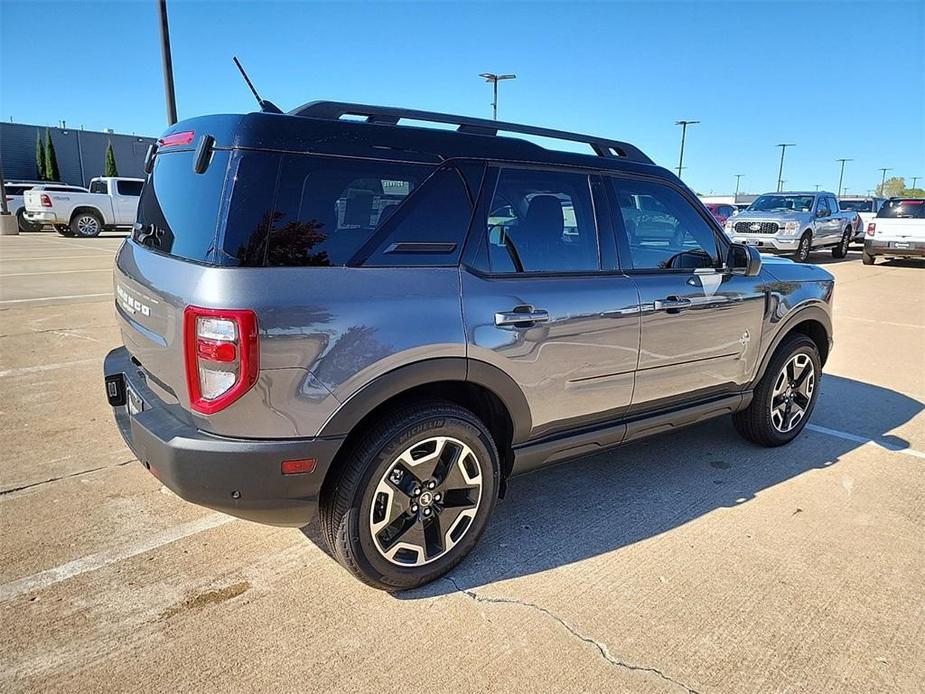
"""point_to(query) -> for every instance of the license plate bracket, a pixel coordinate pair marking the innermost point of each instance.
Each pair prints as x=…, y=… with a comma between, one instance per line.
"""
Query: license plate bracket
x=133, y=401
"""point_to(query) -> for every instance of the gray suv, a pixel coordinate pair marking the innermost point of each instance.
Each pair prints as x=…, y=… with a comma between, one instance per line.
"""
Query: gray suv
x=331, y=313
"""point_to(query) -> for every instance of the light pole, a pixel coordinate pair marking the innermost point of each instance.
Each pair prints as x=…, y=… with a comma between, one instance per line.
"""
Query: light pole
x=780, y=172
x=883, y=179
x=683, y=124
x=168, y=64
x=817, y=186
x=841, y=175
x=915, y=179
x=494, y=79
x=736, y=197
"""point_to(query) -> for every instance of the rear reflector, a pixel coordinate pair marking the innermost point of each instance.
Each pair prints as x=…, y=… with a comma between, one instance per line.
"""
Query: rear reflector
x=298, y=467
x=176, y=139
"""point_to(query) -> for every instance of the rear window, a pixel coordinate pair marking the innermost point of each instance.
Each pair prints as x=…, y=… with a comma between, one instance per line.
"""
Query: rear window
x=903, y=209
x=178, y=210
x=857, y=205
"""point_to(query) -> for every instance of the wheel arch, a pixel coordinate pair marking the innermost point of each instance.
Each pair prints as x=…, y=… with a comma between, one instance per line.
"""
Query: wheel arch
x=88, y=208
x=483, y=389
x=812, y=321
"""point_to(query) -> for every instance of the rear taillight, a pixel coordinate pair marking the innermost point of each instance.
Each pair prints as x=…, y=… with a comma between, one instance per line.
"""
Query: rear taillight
x=222, y=356
x=871, y=229
x=46, y=200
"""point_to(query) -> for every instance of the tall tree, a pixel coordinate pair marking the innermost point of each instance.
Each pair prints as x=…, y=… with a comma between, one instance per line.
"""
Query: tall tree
x=892, y=187
x=110, y=168
x=51, y=159
x=39, y=157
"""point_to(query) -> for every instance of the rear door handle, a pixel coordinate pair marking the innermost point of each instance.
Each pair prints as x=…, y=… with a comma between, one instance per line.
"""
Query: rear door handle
x=672, y=304
x=522, y=317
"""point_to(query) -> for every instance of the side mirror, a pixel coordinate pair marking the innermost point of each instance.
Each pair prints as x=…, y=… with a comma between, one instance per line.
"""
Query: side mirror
x=822, y=212
x=149, y=158
x=203, y=156
x=743, y=260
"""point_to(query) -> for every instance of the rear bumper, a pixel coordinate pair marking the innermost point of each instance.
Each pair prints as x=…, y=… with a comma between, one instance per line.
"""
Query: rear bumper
x=914, y=249
x=42, y=217
x=240, y=477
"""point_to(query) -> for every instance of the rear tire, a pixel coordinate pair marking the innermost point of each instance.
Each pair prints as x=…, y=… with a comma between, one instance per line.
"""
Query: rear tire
x=803, y=250
x=86, y=225
x=841, y=250
x=25, y=224
x=413, y=497
x=785, y=396
x=867, y=258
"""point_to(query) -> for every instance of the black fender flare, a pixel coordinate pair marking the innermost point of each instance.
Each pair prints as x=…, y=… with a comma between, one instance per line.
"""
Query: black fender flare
x=404, y=378
x=813, y=312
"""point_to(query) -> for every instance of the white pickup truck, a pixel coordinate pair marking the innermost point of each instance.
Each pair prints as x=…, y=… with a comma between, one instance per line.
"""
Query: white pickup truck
x=898, y=231
x=111, y=203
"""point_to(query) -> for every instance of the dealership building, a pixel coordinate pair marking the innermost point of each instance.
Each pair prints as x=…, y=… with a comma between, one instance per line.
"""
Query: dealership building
x=80, y=153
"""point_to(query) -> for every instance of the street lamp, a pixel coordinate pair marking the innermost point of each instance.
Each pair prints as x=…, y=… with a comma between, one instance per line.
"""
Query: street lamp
x=883, y=179
x=494, y=79
x=780, y=171
x=683, y=124
x=168, y=64
x=736, y=197
x=915, y=179
x=841, y=175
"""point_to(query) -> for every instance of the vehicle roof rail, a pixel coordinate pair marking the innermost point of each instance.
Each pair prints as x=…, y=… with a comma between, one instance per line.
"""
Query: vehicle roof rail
x=386, y=115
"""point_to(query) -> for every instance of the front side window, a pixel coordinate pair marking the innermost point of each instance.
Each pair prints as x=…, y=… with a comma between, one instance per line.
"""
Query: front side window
x=661, y=229
x=542, y=221
x=129, y=187
x=822, y=208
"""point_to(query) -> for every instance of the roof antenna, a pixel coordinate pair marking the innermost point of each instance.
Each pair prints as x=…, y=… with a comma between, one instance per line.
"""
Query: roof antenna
x=265, y=106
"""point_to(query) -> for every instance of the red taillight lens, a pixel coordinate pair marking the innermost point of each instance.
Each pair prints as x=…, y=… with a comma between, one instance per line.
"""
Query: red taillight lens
x=46, y=201
x=176, y=139
x=222, y=356
x=871, y=229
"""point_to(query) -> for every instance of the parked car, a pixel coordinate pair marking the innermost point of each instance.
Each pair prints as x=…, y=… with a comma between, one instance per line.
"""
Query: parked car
x=794, y=223
x=867, y=207
x=15, y=191
x=329, y=313
x=898, y=231
x=110, y=203
x=720, y=211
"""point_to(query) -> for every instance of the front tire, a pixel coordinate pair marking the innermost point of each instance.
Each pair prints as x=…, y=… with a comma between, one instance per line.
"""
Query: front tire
x=841, y=250
x=785, y=396
x=413, y=497
x=86, y=225
x=803, y=250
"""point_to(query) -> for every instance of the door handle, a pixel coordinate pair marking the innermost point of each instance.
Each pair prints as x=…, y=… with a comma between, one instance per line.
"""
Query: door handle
x=522, y=317
x=672, y=304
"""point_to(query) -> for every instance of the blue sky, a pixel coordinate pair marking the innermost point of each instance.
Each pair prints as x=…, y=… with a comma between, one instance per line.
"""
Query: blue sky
x=840, y=79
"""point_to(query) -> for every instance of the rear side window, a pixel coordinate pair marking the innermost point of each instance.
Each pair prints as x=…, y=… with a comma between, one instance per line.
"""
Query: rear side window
x=98, y=187
x=328, y=209
x=542, y=221
x=903, y=209
x=178, y=210
x=129, y=187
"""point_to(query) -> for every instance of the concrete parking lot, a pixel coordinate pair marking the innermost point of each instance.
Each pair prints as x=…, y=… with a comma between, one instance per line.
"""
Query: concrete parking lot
x=692, y=562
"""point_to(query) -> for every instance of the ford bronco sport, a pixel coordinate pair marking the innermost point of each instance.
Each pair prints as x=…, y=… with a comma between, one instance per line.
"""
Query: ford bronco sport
x=338, y=312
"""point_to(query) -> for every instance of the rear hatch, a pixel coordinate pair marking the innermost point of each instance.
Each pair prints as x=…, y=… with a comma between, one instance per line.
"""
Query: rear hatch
x=900, y=221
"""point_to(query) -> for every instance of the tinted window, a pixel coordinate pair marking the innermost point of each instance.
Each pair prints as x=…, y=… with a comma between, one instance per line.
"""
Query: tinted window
x=833, y=204
x=327, y=208
x=727, y=210
x=856, y=205
x=178, y=210
x=16, y=190
x=661, y=229
x=541, y=221
x=428, y=229
x=822, y=205
x=98, y=187
x=129, y=187
x=903, y=209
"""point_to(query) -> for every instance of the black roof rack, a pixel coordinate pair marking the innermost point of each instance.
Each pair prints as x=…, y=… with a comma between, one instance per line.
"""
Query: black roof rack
x=386, y=115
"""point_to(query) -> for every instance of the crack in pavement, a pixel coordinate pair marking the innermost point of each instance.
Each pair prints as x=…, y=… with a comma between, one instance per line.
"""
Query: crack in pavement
x=11, y=490
x=601, y=647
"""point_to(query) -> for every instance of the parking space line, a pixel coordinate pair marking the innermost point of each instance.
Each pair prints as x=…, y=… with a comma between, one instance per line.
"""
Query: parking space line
x=23, y=370
x=54, y=298
x=57, y=574
x=892, y=448
x=53, y=272
x=63, y=256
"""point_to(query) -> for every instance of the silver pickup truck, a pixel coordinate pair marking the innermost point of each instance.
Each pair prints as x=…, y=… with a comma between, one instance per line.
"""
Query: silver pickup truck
x=793, y=223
